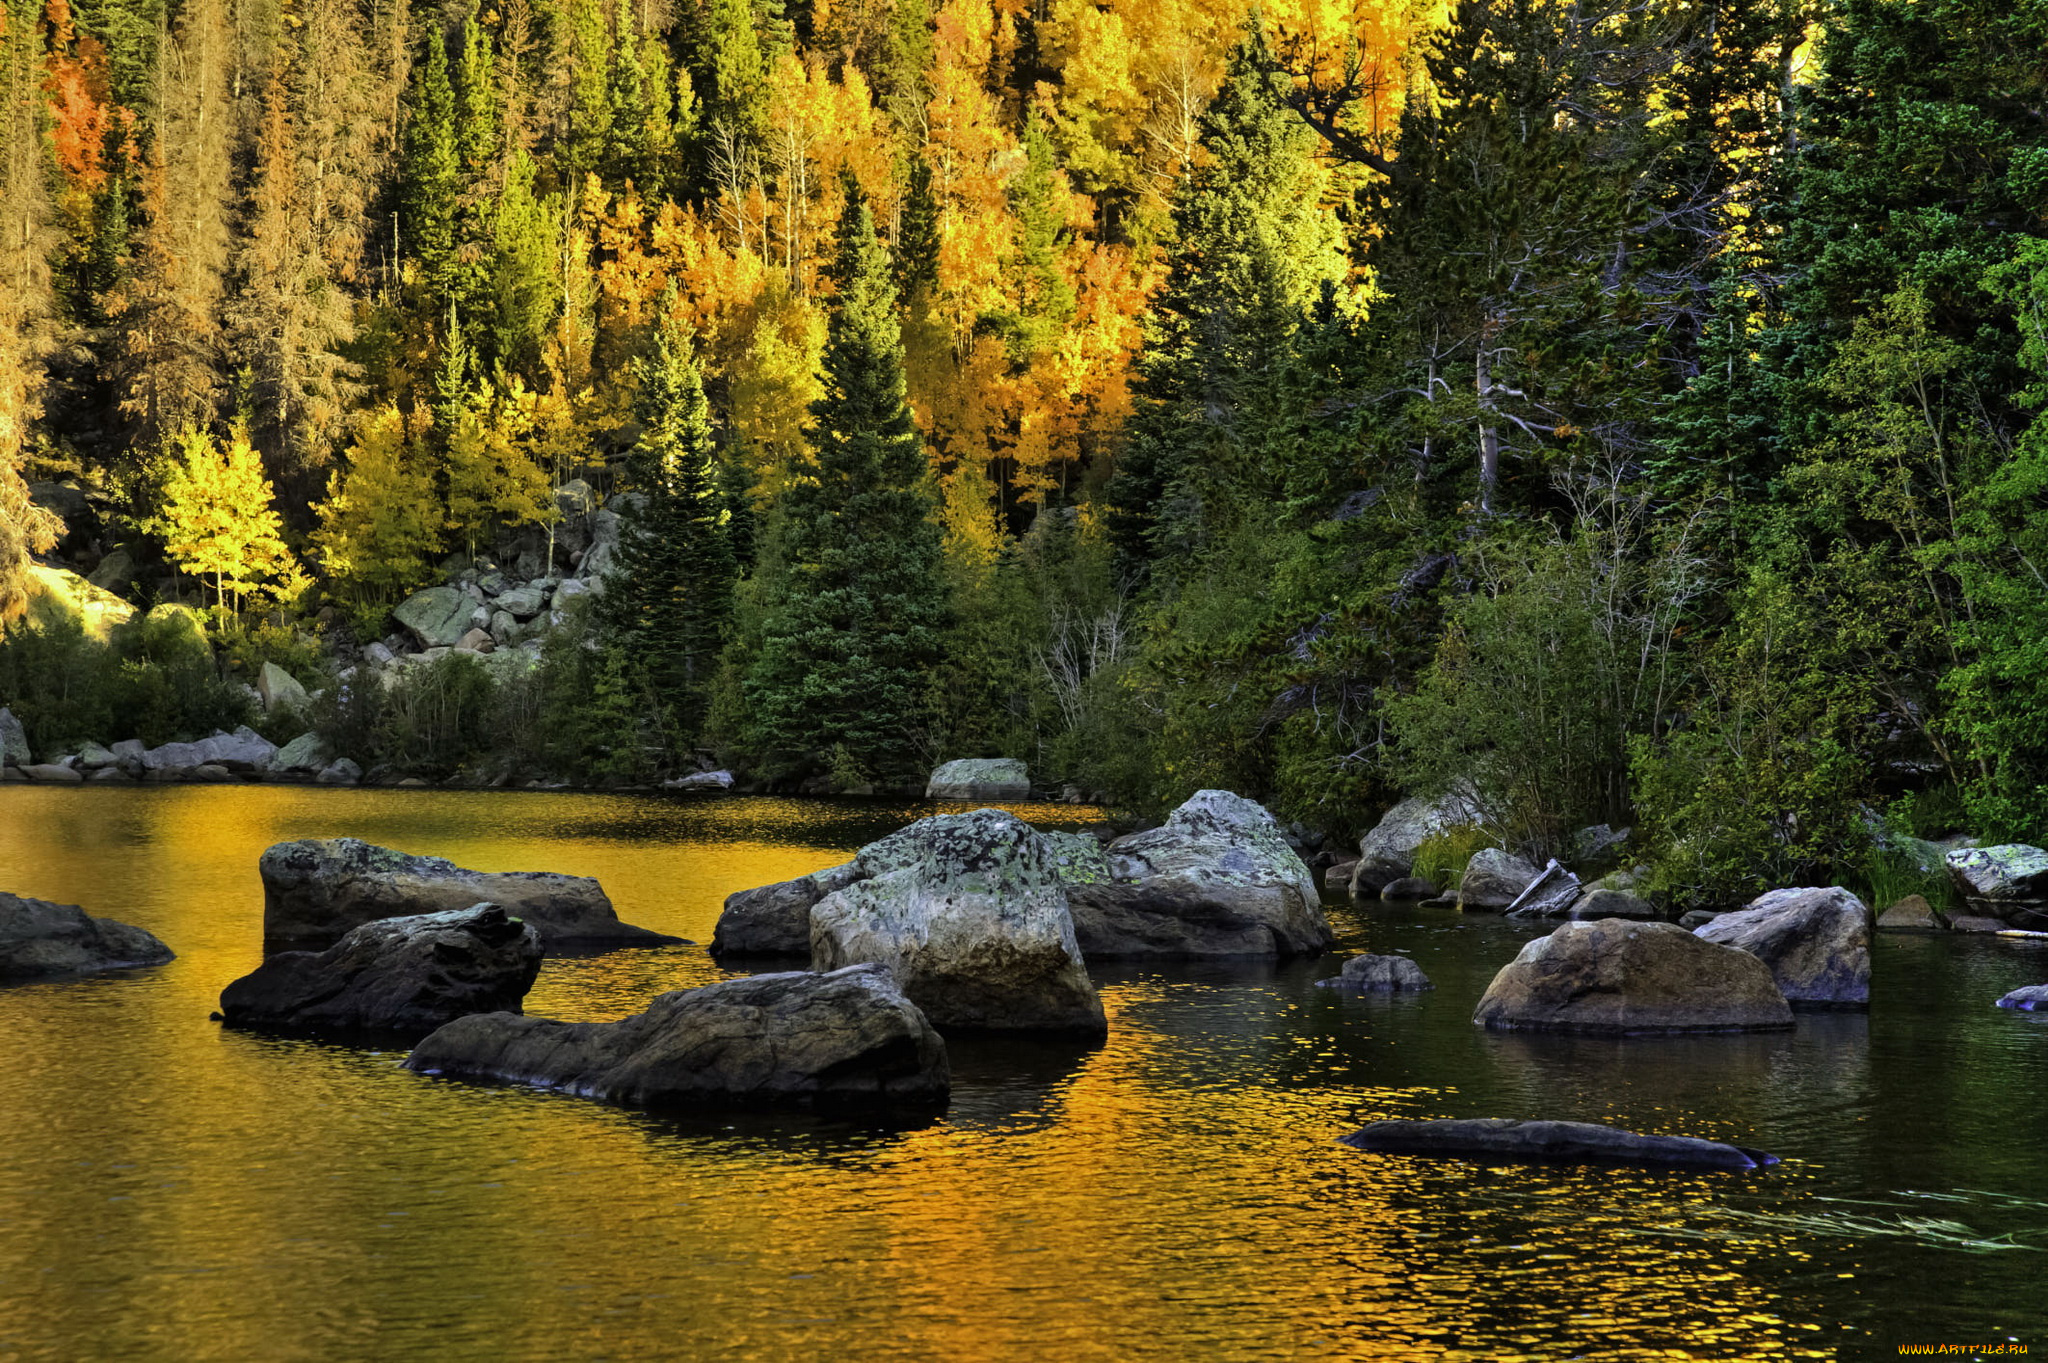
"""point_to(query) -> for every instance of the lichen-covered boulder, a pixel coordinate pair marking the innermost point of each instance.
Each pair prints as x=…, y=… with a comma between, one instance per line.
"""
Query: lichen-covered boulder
x=396, y=977
x=39, y=939
x=2008, y=882
x=1816, y=942
x=979, y=778
x=2032, y=998
x=845, y=1040
x=969, y=913
x=304, y=753
x=775, y=920
x=1493, y=880
x=522, y=603
x=437, y=616
x=1387, y=853
x=1216, y=879
x=316, y=891
x=1493, y=1139
x=1621, y=978
x=1379, y=974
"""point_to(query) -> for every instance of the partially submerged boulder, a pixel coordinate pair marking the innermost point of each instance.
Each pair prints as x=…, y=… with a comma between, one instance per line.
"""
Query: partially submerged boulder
x=1493, y=880
x=980, y=778
x=969, y=913
x=847, y=1039
x=1409, y=887
x=1494, y=1139
x=1911, y=914
x=2008, y=882
x=775, y=920
x=1816, y=942
x=1379, y=974
x=1216, y=879
x=39, y=939
x=1387, y=853
x=316, y=891
x=1618, y=977
x=396, y=977
x=2028, y=999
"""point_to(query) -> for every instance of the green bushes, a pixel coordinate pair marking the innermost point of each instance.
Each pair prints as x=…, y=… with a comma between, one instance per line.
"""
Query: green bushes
x=154, y=678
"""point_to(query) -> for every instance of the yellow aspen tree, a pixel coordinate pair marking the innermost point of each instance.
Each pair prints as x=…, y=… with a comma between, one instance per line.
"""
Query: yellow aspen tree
x=217, y=520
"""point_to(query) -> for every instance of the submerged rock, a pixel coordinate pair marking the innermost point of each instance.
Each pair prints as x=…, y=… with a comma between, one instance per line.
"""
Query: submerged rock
x=2028, y=999
x=1618, y=977
x=39, y=939
x=775, y=920
x=1816, y=942
x=844, y=1040
x=398, y=977
x=969, y=913
x=1387, y=853
x=1216, y=879
x=1495, y=1138
x=316, y=891
x=2008, y=882
x=1379, y=974
x=980, y=778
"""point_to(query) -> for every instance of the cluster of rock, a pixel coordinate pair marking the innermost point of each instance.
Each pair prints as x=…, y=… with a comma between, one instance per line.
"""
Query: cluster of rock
x=243, y=755
x=987, y=922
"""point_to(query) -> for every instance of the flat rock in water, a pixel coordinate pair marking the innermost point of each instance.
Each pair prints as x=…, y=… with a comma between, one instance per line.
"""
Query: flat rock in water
x=1494, y=1139
x=1617, y=977
x=39, y=939
x=847, y=1039
x=1216, y=879
x=315, y=891
x=2030, y=999
x=396, y=977
x=969, y=913
x=1815, y=940
x=2008, y=882
x=1379, y=974
x=775, y=920
x=980, y=778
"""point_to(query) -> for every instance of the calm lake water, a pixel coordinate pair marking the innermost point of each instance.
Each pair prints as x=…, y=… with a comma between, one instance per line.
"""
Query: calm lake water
x=172, y=1190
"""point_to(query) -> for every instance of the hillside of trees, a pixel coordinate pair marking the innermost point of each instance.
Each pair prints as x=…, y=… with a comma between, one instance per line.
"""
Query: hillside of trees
x=1626, y=409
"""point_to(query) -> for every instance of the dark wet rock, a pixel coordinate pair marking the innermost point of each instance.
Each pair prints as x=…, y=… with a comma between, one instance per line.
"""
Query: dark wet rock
x=1337, y=875
x=316, y=891
x=340, y=772
x=396, y=977
x=1694, y=918
x=1216, y=879
x=1409, y=887
x=1495, y=1139
x=2008, y=882
x=39, y=939
x=1601, y=903
x=2032, y=998
x=970, y=914
x=847, y=1039
x=1494, y=879
x=775, y=920
x=1387, y=853
x=1379, y=974
x=1618, y=977
x=1816, y=942
x=1911, y=914
x=979, y=778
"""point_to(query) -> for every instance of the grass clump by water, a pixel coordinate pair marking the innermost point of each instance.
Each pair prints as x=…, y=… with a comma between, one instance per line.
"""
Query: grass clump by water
x=1443, y=856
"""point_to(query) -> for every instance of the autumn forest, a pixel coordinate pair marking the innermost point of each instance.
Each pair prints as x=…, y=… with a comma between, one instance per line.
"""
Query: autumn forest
x=1622, y=410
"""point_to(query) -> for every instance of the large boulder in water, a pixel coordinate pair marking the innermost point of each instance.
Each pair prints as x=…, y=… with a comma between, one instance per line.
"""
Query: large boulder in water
x=1815, y=941
x=1387, y=853
x=775, y=920
x=39, y=939
x=2030, y=998
x=396, y=977
x=969, y=913
x=1494, y=879
x=1619, y=977
x=1493, y=1139
x=1216, y=879
x=315, y=891
x=2008, y=883
x=979, y=778
x=844, y=1040
x=1379, y=975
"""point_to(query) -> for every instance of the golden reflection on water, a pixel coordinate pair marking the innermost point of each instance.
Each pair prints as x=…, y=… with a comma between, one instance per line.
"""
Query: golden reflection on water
x=168, y=1189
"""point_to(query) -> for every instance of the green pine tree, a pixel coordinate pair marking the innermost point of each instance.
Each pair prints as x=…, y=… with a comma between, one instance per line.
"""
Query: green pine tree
x=670, y=590
x=432, y=172
x=847, y=654
x=917, y=235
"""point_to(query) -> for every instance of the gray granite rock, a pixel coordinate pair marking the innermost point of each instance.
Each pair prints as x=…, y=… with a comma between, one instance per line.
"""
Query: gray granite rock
x=1379, y=974
x=1815, y=940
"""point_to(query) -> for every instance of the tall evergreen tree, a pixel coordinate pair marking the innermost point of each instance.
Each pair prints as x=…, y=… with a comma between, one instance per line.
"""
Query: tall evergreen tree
x=432, y=172
x=847, y=653
x=670, y=589
x=917, y=235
